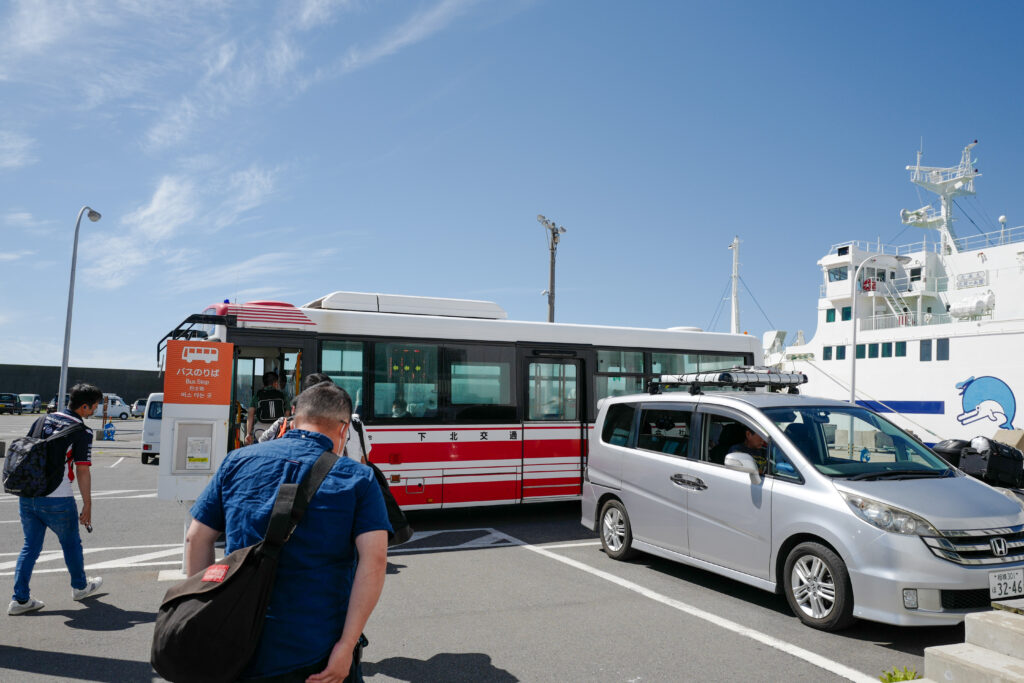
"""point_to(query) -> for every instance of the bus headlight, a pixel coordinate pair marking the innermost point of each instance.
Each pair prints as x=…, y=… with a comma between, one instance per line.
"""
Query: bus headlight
x=887, y=517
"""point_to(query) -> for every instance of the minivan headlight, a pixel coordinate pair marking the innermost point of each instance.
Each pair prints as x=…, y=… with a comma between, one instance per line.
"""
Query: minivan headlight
x=887, y=517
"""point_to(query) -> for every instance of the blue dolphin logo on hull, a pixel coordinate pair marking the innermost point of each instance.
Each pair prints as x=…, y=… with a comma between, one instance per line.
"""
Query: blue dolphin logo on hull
x=987, y=398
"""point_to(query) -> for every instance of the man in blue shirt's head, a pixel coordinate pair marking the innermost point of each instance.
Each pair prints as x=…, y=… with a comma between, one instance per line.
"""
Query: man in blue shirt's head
x=322, y=597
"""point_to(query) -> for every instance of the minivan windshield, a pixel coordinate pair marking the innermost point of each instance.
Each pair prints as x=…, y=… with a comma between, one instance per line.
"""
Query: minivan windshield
x=854, y=443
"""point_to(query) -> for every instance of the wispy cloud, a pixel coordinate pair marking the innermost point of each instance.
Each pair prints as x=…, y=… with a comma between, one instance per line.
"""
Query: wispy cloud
x=232, y=276
x=15, y=149
x=182, y=206
x=14, y=255
x=246, y=190
x=417, y=28
x=23, y=220
x=173, y=205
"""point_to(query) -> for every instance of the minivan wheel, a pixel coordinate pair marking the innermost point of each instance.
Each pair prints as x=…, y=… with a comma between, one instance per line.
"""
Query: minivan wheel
x=817, y=587
x=145, y=458
x=616, y=533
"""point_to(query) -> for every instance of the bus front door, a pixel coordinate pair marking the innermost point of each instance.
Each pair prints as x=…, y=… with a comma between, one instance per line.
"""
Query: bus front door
x=553, y=429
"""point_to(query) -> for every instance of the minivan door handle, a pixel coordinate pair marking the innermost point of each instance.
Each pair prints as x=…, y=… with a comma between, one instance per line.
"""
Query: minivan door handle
x=688, y=482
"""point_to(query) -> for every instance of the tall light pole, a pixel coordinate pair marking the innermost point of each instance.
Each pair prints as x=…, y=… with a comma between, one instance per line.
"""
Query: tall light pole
x=853, y=319
x=554, y=233
x=93, y=216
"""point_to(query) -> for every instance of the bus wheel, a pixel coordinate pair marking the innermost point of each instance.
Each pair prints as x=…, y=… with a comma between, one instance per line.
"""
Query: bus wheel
x=817, y=586
x=616, y=534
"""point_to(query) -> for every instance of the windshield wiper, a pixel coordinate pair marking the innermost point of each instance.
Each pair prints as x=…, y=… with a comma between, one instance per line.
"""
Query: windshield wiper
x=899, y=474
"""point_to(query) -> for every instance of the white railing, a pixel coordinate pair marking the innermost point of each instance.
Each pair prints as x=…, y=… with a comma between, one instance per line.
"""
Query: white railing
x=990, y=239
x=888, y=322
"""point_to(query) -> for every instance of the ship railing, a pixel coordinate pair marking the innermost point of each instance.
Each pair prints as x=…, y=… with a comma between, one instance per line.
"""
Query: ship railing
x=935, y=175
x=990, y=239
x=904, y=286
x=877, y=248
x=926, y=285
x=908, y=319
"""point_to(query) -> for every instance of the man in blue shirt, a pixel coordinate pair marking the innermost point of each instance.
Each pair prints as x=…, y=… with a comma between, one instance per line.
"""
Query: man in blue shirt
x=322, y=598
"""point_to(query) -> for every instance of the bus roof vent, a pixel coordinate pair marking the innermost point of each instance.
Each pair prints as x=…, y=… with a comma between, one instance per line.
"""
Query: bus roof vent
x=411, y=305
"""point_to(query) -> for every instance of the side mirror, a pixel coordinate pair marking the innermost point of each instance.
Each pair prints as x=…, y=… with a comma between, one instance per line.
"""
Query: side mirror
x=743, y=462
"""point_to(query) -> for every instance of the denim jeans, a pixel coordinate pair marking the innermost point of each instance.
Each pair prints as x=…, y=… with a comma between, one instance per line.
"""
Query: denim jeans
x=61, y=516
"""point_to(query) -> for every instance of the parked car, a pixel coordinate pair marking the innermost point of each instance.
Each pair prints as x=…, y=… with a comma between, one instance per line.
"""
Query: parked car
x=31, y=403
x=825, y=502
x=139, y=407
x=151, y=427
x=10, y=403
x=51, y=407
x=115, y=408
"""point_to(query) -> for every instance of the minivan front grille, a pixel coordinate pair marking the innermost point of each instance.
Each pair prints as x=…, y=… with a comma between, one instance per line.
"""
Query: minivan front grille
x=976, y=546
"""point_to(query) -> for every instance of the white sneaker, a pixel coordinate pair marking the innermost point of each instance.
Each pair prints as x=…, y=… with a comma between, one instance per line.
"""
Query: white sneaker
x=90, y=588
x=31, y=605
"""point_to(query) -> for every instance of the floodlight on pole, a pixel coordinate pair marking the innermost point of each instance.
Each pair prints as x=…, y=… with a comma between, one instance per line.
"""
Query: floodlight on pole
x=62, y=389
x=554, y=233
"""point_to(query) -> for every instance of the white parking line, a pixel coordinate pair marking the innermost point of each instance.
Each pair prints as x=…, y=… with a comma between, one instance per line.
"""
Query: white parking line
x=790, y=649
x=118, y=462
x=577, y=544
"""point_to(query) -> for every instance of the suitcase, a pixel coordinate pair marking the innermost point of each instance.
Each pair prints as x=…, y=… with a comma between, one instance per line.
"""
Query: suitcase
x=950, y=450
x=999, y=464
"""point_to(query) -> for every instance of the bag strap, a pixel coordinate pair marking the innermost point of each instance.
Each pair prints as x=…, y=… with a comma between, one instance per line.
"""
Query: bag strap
x=66, y=431
x=358, y=426
x=292, y=501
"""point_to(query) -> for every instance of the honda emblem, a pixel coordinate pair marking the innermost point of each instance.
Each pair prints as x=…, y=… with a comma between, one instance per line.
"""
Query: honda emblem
x=998, y=546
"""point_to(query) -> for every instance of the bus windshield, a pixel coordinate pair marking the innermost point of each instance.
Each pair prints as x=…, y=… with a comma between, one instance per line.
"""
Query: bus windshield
x=855, y=443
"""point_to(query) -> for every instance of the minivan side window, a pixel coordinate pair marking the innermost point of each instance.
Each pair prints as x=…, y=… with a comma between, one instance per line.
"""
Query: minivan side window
x=721, y=435
x=665, y=430
x=618, y=423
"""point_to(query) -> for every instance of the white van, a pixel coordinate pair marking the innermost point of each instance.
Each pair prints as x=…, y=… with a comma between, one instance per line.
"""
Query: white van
x=116, y=407
x=151, y=427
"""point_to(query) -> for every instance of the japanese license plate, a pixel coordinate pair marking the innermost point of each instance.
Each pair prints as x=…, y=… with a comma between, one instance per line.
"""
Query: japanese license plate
x=1006, y=584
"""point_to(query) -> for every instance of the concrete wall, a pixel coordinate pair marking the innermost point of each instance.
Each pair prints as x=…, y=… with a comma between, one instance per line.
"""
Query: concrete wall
x=43, y=380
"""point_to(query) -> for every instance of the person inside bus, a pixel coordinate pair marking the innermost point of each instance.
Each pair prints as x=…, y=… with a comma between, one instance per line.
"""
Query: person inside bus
x=399, y=408
x=267, y=405
x=353, y=445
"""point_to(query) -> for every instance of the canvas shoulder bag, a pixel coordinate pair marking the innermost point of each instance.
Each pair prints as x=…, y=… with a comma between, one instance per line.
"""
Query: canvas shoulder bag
x=209, y=625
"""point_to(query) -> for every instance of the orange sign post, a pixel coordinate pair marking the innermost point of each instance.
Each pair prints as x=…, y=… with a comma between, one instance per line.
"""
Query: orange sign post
x=198, y=373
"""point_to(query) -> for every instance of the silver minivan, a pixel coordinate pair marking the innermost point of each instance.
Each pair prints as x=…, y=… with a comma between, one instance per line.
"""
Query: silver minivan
x=826, y=502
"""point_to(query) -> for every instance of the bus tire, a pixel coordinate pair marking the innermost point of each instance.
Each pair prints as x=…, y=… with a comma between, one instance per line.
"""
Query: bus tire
x=616, y=532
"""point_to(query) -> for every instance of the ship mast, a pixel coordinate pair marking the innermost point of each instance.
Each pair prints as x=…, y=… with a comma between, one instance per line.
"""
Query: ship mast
x=735, y=246
x=949, y=183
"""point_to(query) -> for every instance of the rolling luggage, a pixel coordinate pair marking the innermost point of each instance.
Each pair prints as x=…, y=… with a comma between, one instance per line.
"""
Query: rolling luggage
x=994, y=463
x=950, y=450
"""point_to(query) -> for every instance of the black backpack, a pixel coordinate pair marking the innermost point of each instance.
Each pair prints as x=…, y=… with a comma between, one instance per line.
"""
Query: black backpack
x=269, y=405
x=35, y=465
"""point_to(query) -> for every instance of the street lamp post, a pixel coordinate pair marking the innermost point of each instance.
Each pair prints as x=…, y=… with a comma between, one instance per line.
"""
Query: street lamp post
x=93, y=216
x=554, y=233
x=853, y=319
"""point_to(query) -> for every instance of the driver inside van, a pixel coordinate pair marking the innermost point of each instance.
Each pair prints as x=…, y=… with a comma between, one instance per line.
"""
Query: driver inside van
x=754, y=446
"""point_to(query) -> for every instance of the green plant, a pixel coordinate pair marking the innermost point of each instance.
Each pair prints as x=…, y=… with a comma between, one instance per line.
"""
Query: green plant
x=903, y=674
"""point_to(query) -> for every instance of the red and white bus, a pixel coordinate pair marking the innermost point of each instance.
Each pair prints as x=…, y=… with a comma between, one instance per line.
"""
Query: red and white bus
x=462, y=406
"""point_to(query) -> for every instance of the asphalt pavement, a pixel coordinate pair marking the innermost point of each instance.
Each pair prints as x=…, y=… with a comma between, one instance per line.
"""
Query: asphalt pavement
x=516, y=593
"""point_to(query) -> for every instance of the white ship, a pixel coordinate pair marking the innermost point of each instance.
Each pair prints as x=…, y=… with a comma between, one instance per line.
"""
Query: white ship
x=931, y=333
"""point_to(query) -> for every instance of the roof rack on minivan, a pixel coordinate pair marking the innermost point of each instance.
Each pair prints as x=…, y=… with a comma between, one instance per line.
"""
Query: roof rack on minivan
x=750, y=377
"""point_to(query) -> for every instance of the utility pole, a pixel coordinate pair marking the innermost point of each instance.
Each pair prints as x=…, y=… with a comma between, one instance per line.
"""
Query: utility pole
x=554, y=234
x=735, y=246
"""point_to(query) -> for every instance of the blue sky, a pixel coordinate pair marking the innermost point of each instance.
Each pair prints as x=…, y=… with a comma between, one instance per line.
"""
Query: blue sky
x=308, y=146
